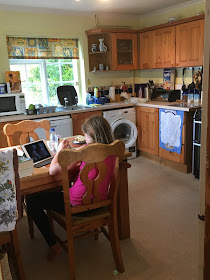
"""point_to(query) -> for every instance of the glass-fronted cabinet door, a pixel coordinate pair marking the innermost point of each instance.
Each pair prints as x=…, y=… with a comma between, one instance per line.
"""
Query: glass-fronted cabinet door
x=124, y=51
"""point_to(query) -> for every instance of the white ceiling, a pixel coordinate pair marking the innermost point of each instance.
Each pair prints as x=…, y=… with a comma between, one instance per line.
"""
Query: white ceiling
x=91, y=6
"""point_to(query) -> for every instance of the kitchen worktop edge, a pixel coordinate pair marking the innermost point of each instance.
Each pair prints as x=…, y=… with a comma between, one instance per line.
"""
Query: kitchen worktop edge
x=168, y=106
x=112, y=105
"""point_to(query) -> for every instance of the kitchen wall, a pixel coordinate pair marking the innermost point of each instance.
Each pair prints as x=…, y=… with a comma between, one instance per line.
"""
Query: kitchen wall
x=17, y=23
x=182, y=11
x=61, y=26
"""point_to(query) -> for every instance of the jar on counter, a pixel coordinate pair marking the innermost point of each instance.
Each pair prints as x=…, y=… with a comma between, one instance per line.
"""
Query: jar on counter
x=190, y=98
x=184, y=97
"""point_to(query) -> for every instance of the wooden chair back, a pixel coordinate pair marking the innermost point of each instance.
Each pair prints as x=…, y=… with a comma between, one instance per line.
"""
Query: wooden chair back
x=20, y=133
x=93, y=155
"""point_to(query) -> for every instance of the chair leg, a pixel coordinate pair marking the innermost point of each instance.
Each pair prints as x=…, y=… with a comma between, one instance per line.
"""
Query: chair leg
x=115, y=244
x=96, y=234
x=70, y=240
x=1, y=273
x=30, y=220
x=14, y=258
x=30, y=225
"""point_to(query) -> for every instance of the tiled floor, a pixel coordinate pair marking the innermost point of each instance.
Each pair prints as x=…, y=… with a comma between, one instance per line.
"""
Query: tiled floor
x=164, y=234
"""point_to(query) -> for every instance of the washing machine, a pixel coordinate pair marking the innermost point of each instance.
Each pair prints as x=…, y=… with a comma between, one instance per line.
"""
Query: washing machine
x=123, y=126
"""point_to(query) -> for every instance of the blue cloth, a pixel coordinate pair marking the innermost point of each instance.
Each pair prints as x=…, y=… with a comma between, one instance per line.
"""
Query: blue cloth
x=170, y=130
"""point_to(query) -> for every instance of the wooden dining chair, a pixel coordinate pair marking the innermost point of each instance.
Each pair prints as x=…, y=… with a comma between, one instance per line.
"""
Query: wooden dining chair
x=9, y=239
x=19, y=134
x=91, y=217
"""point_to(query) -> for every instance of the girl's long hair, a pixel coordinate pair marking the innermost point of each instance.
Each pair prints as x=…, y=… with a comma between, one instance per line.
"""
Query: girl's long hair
x=99, y=129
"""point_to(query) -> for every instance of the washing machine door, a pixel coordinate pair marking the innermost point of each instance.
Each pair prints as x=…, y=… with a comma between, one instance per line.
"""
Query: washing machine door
x=124, y=130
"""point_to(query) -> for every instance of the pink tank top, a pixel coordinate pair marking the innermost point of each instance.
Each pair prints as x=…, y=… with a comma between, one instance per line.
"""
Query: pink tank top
x=77, y=191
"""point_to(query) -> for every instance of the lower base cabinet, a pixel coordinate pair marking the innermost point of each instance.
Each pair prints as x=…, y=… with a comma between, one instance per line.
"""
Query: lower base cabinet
x=187, y=141
x=148, y=138
x=79, y=118
x=148, y=129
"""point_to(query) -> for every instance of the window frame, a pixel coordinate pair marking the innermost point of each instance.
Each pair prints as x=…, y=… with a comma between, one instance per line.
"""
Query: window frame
x=43, y=72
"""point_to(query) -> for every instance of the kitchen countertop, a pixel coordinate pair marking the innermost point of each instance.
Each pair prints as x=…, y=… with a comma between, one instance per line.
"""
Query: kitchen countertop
x=61, y=112
x=170, y=105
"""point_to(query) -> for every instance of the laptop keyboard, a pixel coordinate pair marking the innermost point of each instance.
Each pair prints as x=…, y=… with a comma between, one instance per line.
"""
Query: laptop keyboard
x=43, y=163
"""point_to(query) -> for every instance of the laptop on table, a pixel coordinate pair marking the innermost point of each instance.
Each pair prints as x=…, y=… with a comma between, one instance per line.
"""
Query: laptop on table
x=39, y=152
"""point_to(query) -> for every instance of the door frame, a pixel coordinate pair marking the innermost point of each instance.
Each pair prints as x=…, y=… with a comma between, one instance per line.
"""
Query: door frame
x=204, y=228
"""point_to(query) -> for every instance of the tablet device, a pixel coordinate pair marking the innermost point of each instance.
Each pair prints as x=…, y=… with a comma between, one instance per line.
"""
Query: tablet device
x=39, y=152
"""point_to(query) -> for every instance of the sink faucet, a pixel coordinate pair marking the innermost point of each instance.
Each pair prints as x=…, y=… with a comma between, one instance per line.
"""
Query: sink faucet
x=66, y=101
x=76, y=100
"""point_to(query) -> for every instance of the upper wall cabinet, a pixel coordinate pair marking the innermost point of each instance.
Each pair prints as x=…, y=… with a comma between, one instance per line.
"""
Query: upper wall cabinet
x=147, y=50
x=176, y=44
x=96, y=56
x=120, y=52
x=189, y=44
x=124, y=51
x=164, y=47
x=157, y=48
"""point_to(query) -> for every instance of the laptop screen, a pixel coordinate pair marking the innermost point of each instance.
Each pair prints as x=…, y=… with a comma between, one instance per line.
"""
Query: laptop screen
x=37, y=150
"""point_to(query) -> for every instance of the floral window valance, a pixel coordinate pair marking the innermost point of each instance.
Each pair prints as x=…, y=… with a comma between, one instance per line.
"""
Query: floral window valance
x=42, y=48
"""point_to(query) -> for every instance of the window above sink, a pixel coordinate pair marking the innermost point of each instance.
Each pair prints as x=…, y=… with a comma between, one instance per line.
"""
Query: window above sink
x=41, y=77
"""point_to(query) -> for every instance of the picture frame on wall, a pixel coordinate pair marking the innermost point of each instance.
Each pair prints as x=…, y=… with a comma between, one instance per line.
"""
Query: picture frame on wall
x=13, y=81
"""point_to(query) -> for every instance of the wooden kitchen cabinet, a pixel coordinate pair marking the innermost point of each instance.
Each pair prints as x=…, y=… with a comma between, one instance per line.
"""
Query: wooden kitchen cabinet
x=190, y=43
x=148, y=129
x=96, y=58
x=121, y=51
x=157, y=48
x=146, y=44
x=79, y=118
x=148, y=140
x=176, y=44
x=164, y=47
x=124, y=51
x=180, y=158
x=185, y=157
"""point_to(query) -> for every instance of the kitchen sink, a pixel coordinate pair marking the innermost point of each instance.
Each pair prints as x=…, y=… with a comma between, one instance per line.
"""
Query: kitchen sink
x=72, y=108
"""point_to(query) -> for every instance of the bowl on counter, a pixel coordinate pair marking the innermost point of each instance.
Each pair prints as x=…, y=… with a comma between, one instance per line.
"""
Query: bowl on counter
x=32, y=112
x=46, y=109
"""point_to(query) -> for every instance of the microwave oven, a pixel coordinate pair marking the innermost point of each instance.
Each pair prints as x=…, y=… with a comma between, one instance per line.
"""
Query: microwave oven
x=12, y=104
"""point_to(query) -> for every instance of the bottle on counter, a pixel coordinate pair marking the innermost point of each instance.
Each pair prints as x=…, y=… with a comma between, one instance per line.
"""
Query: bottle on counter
x=53, y=141
x=184, y=97
x=96, y=92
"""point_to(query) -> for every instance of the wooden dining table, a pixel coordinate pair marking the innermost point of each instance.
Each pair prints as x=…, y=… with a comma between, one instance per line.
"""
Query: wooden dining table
x=41, y=180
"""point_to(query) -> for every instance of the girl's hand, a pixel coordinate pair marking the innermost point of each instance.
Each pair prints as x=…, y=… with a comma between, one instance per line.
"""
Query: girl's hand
x=63, y=145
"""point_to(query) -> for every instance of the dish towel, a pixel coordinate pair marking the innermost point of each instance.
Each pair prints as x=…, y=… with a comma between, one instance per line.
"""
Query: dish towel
x=170, y=130
x=8, y=203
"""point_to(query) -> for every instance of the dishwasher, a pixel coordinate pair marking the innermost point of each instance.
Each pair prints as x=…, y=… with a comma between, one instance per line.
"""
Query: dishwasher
x=62, y=124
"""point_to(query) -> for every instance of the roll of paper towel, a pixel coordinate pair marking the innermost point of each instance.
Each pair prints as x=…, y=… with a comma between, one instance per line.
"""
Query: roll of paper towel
x=112, y=93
